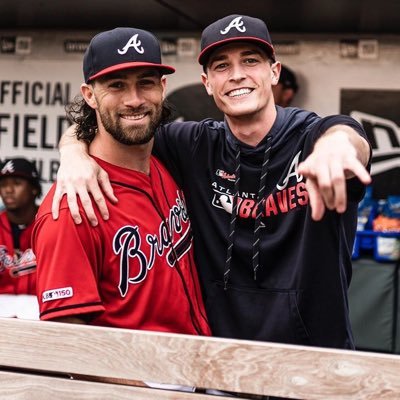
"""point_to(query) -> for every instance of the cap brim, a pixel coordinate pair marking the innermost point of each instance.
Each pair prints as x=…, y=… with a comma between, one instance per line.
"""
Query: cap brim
x=205, y=53
x=164, y=69
x=20, y=175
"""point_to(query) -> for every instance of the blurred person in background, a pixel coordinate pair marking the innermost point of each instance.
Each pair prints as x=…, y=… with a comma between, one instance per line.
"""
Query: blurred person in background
x=19, y=189
x=286, y=89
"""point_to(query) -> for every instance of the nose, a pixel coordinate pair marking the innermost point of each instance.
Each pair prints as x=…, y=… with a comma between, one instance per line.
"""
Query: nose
x=133, y=98
x=237, y=72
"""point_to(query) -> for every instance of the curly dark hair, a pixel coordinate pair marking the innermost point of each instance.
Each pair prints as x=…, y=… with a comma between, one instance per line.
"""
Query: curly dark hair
x=84, y=116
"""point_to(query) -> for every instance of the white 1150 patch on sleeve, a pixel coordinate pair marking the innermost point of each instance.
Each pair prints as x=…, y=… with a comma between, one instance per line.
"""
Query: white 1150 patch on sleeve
x=55, y=294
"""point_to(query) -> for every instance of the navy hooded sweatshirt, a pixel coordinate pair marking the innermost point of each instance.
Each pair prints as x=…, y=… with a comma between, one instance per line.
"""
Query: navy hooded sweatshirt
x=299, y=295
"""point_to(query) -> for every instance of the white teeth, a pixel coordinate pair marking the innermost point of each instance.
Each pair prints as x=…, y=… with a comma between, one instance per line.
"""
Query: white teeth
x=134, y=117
x=239, y=92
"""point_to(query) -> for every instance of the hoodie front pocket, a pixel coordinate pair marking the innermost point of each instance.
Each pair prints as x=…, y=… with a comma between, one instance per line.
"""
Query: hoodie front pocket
x=256, y=314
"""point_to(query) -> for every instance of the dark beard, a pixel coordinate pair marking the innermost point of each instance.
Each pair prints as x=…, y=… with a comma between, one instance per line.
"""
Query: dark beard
x=133, y=135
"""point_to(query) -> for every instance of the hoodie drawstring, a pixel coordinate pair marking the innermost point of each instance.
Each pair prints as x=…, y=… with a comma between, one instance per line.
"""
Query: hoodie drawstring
x=259, y=212
x=232, y=225
x=259, y=209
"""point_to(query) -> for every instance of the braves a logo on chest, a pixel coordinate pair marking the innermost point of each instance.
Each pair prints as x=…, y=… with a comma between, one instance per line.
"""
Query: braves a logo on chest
x=291, y=173
x=132, y=42
x=133, y=248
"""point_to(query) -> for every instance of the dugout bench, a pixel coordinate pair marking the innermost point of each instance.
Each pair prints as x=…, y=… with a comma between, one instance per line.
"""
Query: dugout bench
x=36, y=359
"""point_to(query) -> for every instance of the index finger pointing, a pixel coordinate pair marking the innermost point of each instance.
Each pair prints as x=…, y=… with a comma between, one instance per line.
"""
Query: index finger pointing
x=358, y=170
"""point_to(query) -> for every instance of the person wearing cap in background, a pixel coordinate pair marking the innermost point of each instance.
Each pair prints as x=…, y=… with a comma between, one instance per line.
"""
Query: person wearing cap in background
x=19, y=188
x=136, y=270
x=286, y=88
x=272, y=193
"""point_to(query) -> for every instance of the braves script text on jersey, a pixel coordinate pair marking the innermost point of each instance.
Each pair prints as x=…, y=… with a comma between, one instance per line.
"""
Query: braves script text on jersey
x=124, y=272
x=17, y=266
x=299, y=295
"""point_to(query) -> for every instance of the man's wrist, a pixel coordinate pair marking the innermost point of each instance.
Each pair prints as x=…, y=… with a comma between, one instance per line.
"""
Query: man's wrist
x=73, y=145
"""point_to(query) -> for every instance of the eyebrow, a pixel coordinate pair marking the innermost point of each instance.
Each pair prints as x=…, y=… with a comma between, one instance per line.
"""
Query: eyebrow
x=123, y=75
x=149, y=74
x=244, y=53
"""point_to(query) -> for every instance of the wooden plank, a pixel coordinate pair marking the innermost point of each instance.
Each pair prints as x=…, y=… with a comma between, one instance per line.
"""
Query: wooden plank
x=225, y=364
x=19, y=386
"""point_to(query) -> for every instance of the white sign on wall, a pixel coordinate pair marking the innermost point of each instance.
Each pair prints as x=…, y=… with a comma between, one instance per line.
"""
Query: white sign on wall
x=32, y=114
x=34, y=87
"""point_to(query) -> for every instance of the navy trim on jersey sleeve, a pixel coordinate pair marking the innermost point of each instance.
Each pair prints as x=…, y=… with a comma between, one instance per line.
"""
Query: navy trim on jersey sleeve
x=72, y=307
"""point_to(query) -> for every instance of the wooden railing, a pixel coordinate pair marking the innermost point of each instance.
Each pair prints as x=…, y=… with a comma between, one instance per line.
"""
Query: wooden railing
x=38, y=358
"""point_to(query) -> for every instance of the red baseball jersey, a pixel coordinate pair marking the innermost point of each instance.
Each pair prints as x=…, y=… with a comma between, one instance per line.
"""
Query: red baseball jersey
x=17, y=266
x=135, y=270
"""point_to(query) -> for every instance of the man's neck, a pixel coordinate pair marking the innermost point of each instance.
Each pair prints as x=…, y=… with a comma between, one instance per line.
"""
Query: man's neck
x=252, y=129
x=23, y=216
x=135, y=157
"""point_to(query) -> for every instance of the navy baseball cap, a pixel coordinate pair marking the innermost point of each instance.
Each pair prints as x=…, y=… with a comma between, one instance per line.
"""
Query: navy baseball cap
x=19, y=167
x=288, y=78
x=122, y=48
x=235, y=28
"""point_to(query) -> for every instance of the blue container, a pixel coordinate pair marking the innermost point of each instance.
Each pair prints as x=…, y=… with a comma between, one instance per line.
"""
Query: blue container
x=382, y=246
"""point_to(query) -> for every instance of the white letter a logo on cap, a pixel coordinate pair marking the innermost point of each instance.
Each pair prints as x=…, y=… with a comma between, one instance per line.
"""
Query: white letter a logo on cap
x=235, y=23
x=8, y=167
x=132, y=42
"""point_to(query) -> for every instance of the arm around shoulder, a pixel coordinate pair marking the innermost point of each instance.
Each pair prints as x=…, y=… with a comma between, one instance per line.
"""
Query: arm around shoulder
x=69, y=138
x=86, y=177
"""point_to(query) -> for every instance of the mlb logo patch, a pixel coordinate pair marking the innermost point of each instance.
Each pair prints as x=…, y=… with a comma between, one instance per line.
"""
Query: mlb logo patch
x=55, y=294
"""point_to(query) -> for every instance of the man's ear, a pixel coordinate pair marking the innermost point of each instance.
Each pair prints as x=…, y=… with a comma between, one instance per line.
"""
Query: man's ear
x=164, y=86
x=275, y=72
x=88, y=95
x=206, y=84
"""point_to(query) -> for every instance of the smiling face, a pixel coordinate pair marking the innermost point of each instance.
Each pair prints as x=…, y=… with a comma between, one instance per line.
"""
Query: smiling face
x=128, y=103
x=239, y=77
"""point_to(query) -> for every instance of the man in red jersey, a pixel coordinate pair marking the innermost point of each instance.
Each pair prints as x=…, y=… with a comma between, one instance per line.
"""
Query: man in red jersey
x=19, y=188
x=136, y=269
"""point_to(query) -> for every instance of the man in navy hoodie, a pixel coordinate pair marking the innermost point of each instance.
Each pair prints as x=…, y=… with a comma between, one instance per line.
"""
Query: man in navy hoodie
x=272, y=193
